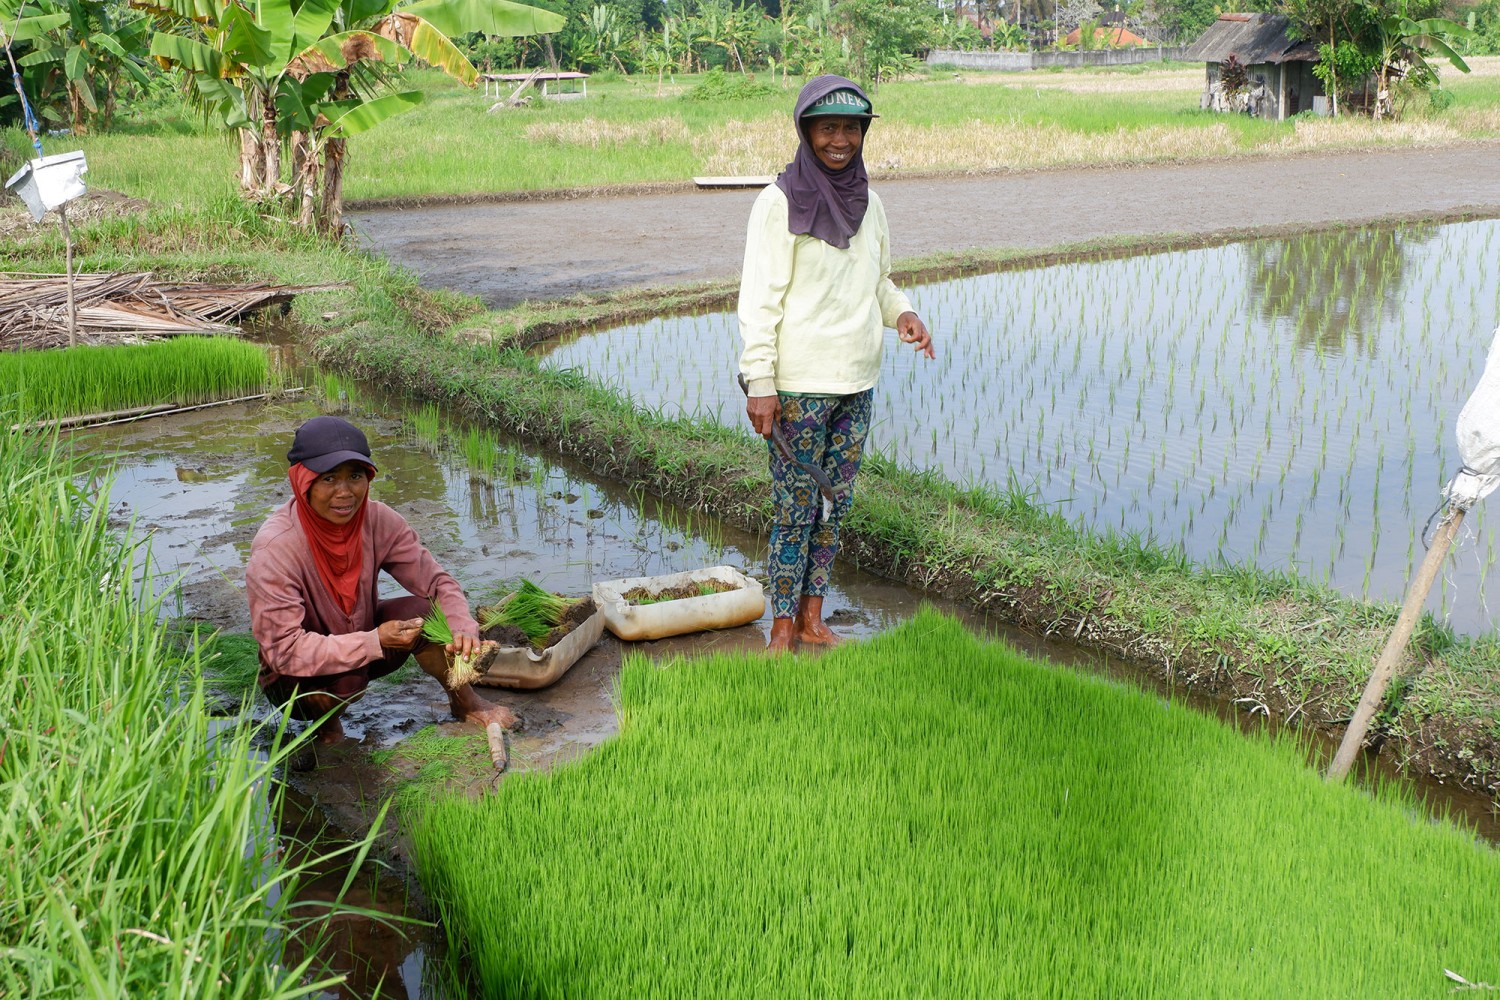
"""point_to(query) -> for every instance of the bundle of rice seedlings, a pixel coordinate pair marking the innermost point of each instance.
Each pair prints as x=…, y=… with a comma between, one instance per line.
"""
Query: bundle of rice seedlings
x=531, y=609
x=436, y=628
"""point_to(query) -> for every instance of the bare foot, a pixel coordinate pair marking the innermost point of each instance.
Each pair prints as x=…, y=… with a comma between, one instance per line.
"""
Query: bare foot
x=810, y=626
x=815, y=633
x=782, y=638
x=470, y=707
x=329, y=733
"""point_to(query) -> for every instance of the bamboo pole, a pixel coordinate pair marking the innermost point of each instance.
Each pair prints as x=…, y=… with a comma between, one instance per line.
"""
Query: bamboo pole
x=1385, y=667
x=495, y=733
x=62, y=213
x=89, y=420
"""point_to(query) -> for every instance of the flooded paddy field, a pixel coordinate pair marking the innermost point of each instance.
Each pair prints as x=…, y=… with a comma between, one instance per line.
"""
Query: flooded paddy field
x=198, y=485
x=1286, y=403
x=201, y=483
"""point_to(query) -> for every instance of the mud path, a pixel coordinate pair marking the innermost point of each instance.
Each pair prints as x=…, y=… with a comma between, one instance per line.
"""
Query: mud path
x=508, y=252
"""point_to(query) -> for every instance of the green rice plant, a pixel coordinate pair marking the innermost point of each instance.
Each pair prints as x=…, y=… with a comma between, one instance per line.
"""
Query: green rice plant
x=139, y=838
x=481, y=450
x=428, y=759
x=426, y=425
x=531, y=609
x=931, y=814
x=48, y=385
x=436, y=629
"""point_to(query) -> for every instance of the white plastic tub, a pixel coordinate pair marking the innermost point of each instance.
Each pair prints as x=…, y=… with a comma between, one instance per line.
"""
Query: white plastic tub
x=524, y=668
x=50, y=181
x=635, y=622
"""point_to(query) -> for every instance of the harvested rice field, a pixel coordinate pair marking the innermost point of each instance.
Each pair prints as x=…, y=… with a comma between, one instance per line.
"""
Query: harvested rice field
x=927, y=813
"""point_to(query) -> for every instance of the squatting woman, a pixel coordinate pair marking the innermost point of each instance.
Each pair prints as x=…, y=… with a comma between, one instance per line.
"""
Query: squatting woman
x=324, y=632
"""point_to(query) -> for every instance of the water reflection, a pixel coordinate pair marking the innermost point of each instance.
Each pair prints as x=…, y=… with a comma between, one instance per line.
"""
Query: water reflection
x=1333, y=289
x=1287, y=404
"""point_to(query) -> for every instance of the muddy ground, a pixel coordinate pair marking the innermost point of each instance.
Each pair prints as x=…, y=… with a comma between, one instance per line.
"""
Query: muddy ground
x=506, y=252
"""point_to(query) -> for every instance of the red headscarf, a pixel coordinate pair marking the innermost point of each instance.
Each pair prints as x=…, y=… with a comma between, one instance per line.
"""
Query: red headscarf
x=337, y=549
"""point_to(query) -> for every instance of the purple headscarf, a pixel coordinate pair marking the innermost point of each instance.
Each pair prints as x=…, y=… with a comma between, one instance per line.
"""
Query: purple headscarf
x=827, y=204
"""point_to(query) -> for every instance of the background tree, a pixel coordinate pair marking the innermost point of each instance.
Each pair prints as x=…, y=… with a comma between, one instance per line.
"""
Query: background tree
x=874, y=33
x=75, y=57
x=310, y=73
x=1348, y=33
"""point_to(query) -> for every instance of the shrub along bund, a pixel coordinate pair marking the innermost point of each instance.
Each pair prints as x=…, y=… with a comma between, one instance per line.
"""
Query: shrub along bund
x=140, y=857
x=184, y=370
x=1296, y=648
x=930, y=814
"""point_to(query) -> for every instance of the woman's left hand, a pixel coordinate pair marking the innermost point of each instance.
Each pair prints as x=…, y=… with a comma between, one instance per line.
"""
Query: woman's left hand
x=463, y=645
x=911, y=330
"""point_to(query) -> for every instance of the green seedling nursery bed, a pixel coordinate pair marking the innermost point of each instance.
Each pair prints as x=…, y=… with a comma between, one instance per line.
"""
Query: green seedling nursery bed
x=930, y=814
x=85, y=380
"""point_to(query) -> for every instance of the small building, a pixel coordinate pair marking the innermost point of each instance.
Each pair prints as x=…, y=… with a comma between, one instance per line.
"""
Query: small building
x=1106, y=37
x=1278, y=67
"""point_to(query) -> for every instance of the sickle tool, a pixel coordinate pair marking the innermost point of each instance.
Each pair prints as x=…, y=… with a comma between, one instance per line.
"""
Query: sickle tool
x=825, y=485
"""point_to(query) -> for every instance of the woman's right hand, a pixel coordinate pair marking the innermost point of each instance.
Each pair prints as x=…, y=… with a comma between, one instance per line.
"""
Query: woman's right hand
x=399, y=634
x=764, y=411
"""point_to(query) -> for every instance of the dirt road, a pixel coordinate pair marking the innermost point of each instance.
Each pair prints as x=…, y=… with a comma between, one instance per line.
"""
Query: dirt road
x=507, y=252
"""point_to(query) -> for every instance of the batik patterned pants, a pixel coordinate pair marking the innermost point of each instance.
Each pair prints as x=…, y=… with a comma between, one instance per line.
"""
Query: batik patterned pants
x=824, y=431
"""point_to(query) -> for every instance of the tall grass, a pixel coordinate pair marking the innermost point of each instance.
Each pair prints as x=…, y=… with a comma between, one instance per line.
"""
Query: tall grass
x=139, y=852
x=79, y=380
x=928, y=814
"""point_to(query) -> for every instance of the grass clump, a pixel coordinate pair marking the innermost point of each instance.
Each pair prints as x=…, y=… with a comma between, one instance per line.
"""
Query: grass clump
x=81, y=380
x=140, y=855
x=532, y=609
x=717, y=85
x=930, y=814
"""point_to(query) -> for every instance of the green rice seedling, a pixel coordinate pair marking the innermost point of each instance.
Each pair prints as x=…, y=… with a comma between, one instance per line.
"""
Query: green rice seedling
x=481, y=450
x=436, y=629
x=48, y=385
x=141, y=854
x=928, y=814
x=531, y=609
x=335, y=396
x=426, y=425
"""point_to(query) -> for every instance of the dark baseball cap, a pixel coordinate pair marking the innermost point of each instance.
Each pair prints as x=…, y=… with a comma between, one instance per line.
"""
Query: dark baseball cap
x=324, y=443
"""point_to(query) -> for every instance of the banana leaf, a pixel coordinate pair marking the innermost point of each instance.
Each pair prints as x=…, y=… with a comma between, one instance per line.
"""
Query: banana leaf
x=429, y=44
x=493, y=17
x=354, y=116
x=338, y=51
x=176, y=51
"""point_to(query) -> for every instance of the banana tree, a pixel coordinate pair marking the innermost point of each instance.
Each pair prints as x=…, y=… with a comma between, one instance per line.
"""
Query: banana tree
x=1405, y=46
x=311, y=72
x=78, y=56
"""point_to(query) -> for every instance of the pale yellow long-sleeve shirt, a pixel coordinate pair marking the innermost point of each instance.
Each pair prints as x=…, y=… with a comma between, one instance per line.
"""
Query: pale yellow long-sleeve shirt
x=813, y=317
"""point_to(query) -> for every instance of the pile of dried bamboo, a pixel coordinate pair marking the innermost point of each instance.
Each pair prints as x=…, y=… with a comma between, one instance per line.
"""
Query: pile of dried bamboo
x=34, y=307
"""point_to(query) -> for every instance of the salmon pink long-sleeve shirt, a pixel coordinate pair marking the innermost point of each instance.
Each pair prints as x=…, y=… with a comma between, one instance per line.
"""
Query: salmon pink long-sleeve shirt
x=301, y=629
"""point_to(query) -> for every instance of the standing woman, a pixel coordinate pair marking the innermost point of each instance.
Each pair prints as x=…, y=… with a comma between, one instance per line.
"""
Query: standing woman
x=815, y=299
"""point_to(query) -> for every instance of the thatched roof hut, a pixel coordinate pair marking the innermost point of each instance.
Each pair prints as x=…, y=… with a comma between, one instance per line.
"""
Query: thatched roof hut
x=1279, y=67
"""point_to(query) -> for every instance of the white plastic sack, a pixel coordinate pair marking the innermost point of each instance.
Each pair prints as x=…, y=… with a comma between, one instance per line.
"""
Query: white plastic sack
x=1478, y=432
x=50, y=181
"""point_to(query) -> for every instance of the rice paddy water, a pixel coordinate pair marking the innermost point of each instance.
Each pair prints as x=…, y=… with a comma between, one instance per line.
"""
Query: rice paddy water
x=1049, y=808
x=1287, y=403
